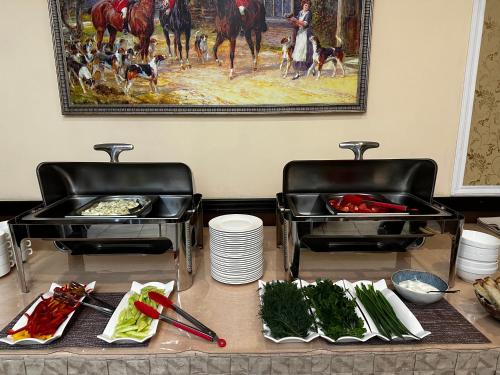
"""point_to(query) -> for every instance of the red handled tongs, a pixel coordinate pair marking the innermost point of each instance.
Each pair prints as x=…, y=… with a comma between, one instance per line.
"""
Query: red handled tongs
x=200, y=330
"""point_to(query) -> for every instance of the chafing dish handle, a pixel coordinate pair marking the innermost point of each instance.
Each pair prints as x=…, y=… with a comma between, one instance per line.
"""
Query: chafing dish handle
x=114, y=149
x=358, y=147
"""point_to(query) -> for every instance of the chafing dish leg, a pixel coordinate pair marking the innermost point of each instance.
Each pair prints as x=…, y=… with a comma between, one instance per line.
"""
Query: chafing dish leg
x=189, y=255
x=455, y=242
x=183, y=257
x=284, y=241
x=199, y=228
x=18, y=257
x=279, y=229
x=294, y=268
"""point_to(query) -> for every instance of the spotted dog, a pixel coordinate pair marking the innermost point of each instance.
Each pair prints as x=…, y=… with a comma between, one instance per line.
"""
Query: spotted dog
x=286, y=56
x=201, y=46
x=81, y=73
x=113, y=62
x=145, y=71
x=88, y=46
x=322, y=55
x=152, y=47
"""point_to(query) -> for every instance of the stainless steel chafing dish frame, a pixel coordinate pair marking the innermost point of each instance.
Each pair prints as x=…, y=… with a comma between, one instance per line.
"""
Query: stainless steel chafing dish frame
x=187, y=226
x=293, y=227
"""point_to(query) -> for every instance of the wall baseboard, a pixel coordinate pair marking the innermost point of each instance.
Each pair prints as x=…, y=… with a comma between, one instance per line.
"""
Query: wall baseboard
x=265, y=208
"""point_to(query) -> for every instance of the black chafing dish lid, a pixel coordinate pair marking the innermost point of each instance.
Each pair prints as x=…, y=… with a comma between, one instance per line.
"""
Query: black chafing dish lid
x=413, y=176
x=58, y=180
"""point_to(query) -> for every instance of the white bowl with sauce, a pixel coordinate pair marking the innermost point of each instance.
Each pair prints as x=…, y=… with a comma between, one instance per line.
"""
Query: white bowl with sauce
x=413, y=285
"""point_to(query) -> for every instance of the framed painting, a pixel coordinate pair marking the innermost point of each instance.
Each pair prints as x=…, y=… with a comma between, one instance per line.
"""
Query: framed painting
x=211, y=56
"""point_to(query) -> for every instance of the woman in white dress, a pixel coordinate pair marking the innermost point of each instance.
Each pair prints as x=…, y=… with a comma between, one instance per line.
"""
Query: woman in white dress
x=302, y=53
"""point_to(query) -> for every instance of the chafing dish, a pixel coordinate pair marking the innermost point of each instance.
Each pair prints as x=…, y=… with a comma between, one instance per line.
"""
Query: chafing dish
x=304, y=219
x=170, y=210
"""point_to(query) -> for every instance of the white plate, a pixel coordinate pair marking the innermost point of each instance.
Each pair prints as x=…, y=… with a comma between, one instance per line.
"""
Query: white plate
x=233, y=262
x=258, y=241
x=248, y=244
x=250, y=233
x=251, y=244
x=256, y=233
x=107, y=334
x=236, y=282
x=237, y=269
x=256, y=229
x=23, y=320
x=235, y=223
x=237, y=259
x=235, y=240
x=233, y=252
x=250, y=275
x=239, y=273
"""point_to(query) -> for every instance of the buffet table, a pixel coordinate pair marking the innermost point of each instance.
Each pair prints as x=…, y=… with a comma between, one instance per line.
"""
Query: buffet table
x=232, y=312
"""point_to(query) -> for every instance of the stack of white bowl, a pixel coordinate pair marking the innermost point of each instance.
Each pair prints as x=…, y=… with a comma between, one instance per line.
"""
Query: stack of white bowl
x=477, y=255
x=6, y=261
x=236, y=248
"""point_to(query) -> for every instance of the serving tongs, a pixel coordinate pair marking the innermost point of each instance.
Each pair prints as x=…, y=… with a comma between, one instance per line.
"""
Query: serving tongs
x=72, y=301
x=74, y=284
x=199, y=330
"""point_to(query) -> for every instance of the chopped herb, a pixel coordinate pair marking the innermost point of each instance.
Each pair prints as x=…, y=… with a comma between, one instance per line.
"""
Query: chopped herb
x=285, y=310
x=334, y=310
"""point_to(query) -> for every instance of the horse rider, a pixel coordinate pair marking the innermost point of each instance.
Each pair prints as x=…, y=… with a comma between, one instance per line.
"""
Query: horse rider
x=167, y=6
x=121, y=6
x=242, y=6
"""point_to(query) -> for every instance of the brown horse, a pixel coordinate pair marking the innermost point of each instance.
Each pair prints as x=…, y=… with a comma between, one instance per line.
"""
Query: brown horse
x=229, y=22
x=140, y=20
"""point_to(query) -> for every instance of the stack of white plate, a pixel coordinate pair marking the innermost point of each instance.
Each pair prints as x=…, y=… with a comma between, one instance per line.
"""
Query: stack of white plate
x=477, y=255
x=236, y=248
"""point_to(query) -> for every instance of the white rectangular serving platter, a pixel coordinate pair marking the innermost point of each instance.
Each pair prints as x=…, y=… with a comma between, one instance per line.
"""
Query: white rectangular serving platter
x=402, y=312
x=267, y=332
x=107, y=334
x=23, y=320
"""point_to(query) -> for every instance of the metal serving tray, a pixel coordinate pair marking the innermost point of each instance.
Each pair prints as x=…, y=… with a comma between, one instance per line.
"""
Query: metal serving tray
x=164, y=209
x=377, y=197
x=416, y=205
x=145, y=205
x=314, y=205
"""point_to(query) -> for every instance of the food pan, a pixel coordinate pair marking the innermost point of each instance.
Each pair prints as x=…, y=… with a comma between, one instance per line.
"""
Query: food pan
x=144, y=207
x=369, y=197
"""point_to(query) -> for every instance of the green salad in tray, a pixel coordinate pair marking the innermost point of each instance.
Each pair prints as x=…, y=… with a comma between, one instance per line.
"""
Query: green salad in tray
x=131, y=322
x=336, y=313
x=291, y=311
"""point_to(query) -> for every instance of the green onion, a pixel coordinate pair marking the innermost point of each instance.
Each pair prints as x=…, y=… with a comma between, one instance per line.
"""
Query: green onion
x=381, y=312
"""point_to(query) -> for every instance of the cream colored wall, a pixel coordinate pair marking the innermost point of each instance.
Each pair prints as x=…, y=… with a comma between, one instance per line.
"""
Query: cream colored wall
x=416, y=75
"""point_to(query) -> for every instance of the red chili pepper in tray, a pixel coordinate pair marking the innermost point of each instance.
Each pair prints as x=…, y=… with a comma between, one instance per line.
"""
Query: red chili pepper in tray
x=47, y=316
x=354, y=203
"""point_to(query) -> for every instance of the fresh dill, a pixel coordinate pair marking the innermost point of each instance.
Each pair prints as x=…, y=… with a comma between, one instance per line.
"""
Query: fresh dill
x=285, y=311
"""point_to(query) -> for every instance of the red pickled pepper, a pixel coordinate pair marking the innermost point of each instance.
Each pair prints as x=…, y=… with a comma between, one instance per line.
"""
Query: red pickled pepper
x=47, y=317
